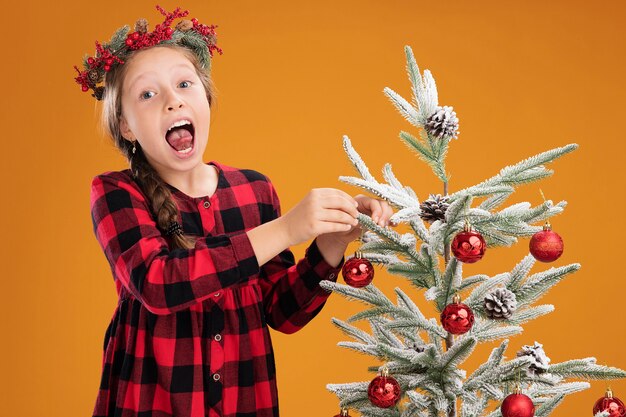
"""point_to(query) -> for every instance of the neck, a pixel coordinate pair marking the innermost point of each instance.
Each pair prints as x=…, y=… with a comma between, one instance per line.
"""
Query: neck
x=199, y=181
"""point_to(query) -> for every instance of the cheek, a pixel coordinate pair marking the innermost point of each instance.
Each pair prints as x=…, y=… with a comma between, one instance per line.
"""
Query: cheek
x=203, y=110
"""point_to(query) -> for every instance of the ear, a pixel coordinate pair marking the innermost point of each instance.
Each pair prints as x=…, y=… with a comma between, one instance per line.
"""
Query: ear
x=125, y=130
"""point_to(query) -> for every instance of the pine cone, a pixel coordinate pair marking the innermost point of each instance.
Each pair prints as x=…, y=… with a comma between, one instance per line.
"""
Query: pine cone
x=141, y=25
x=184, y=25
x=540, y=360
x=500, y=304
x=434, y=208
x=98, y=93
x=417, y=346
x=93, y=76
x=443, y=123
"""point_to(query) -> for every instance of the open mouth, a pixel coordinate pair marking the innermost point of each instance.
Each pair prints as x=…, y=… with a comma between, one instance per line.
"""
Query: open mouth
x=181, y=138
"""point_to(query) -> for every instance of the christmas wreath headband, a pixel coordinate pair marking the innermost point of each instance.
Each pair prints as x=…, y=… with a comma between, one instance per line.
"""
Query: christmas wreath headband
x=199, y=38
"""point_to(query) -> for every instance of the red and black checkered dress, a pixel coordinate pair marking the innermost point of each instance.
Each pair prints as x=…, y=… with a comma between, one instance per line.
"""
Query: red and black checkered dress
x=190, y=336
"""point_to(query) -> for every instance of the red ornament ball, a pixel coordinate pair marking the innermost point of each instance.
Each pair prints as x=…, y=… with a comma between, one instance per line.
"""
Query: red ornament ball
x=343, y=413
x=546, y=245
x=468, y=246
x=357, y=272
x=517, y=405
x=384, y=391
x=613, y=405
x=457, y=318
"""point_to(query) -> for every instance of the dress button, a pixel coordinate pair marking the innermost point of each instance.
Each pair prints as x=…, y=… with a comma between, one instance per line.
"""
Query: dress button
x=218, y=337
x=216, y=377
x=207, y=204
x=332, y=275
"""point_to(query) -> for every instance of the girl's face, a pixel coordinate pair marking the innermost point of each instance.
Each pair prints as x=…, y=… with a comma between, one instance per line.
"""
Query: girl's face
x=161, y=87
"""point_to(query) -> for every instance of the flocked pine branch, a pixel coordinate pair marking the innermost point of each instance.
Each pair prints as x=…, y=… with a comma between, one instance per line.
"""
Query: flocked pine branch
x=416, y=350
x=424, y=105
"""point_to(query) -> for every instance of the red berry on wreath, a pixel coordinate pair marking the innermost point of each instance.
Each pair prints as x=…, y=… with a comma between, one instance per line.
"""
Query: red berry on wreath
x=384, y=390
x=546, y=245
x=613, y=405
x=468, y=246
x=357, y=272
x=457, y=318
x=517, y=405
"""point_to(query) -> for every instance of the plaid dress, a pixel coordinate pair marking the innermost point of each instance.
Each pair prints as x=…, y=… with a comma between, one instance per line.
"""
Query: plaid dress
x=189, y=335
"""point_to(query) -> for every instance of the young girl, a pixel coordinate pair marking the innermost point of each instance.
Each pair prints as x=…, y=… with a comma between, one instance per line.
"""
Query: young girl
x=199, y=251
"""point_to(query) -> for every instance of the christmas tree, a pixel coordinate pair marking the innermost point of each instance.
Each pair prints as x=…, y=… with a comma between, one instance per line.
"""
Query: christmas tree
x=420, y=374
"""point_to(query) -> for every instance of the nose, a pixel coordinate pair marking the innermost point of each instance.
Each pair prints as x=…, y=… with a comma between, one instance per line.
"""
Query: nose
x=173, y=101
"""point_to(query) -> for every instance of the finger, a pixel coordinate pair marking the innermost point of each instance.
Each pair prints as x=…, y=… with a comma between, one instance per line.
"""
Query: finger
x=337, y=216
x=377, y=211
x=387, y=211
x=354, y=234
x=362, y=201
x=365, y=204
x=333, y=227
x=335, y=191
x=353, y=201
x=339, y=201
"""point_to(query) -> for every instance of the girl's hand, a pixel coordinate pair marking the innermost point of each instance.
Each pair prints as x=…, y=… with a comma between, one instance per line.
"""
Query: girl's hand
x=321, y=211
x=379, y=210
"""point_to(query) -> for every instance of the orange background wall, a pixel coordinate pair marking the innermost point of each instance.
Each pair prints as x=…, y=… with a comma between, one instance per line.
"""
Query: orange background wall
x=523, y=77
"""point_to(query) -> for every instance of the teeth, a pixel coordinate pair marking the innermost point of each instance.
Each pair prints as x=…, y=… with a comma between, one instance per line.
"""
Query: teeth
x=179, y=123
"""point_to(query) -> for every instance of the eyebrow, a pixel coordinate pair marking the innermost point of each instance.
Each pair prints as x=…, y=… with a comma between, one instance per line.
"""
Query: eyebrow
x=130, y=87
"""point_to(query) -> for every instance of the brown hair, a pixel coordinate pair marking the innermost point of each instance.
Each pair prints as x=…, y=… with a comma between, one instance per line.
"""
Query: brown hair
x=159, y=196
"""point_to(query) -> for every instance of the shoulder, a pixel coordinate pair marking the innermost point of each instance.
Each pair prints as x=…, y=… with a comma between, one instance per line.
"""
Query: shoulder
x=238, y=175
x=248, y=178
x=121, y=176
x=115, y=186
x=252, y=186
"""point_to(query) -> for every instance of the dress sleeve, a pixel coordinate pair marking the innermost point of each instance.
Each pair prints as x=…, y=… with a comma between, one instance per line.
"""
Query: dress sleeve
x=292, y=295
x=163, y=280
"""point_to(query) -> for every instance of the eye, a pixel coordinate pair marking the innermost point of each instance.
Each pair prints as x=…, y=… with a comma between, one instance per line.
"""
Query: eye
x=188, y=82
x=143, y=95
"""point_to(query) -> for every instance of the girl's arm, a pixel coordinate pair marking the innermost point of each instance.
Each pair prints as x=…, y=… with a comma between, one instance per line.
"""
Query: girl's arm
x=163, y=280
x=291, y=292
x=322, y=212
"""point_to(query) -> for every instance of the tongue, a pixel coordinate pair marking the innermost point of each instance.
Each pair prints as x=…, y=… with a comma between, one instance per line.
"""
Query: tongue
x=179, y=138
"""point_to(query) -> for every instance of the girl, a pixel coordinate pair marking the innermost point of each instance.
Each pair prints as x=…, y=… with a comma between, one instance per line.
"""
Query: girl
x=199, y=252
